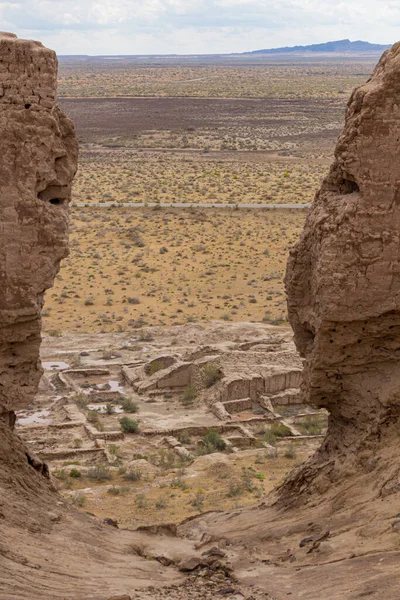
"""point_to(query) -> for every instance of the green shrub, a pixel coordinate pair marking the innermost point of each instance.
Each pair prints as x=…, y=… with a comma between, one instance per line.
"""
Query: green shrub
x=129, y=425
x=93, y=417
x=75, y=473
x=179, y=483
x=129, y=406
x=138, y=456
x=81, y=400
x=133, y=475
x=189, y=395
x=184, y=437
x=141, y=501
x=211, y=374
x=213, y=437
x=290, y=452
x=270, y=438
x=100, y=473
x=165, y=460
x=235, y=489
x=247, y=478
x=79, y=499
x=280, y=430
x=60, y=474
x=211, y=442
x=311, y=425
x=198, y=501
x=113, y=449
x=153, y=367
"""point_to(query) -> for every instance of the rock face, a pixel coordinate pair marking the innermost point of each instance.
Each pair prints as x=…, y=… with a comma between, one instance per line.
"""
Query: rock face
x=343, y=277
x=38, y=158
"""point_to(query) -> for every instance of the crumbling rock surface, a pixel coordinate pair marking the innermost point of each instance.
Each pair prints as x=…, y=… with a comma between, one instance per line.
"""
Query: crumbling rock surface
x=38, y=158
x=343, y=277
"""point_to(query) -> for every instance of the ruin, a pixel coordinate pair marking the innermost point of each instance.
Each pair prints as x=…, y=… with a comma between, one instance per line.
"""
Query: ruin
x=331, y=529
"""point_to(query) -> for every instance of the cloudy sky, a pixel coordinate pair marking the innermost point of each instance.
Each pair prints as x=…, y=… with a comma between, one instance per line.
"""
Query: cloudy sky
x=196, y=26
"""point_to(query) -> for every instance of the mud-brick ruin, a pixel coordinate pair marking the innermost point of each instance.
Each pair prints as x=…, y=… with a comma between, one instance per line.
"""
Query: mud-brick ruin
x=332, y=529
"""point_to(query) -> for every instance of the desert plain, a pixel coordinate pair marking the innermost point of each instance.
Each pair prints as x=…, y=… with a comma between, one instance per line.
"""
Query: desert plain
x=171, y=381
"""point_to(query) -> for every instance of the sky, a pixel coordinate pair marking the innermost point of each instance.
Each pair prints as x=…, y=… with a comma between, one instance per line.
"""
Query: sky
x=196, y=26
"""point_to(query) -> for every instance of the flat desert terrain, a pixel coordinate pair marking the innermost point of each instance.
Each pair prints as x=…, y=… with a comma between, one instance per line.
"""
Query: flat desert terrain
x=192, y=130
x=130, y=268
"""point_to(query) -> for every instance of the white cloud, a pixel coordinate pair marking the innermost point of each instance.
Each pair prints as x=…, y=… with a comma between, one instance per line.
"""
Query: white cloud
x=182, y=26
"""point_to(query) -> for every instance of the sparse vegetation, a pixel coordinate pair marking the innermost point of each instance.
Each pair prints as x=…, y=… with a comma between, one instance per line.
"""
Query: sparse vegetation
x=75, y=473
x=161, y=504
x=141, y=501
x=100, y=473
x=93, y=417
x=81, y=400
x=221, y=264
x=312, y=424
x=79, y=499
x=211, y=374
x=129, y=406
x=220, y=240
x=153, y=367
x=290, y=452
x=129, y=425
x=280, y=430
x=211, y=442
x=198, y=501
x=295, y=80
x=189, y=395
x=270, y=437
x=133, y=475
x=235, y=489
x=179, y=483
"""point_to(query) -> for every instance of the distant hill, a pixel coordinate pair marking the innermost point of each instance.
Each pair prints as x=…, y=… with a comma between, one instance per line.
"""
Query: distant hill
x=338, y=46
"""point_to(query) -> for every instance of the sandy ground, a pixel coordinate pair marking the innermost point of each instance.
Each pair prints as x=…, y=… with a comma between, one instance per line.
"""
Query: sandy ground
x=132, y=267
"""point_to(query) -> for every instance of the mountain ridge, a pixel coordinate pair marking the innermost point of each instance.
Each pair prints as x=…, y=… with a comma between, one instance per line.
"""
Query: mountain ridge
x=328, y=47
